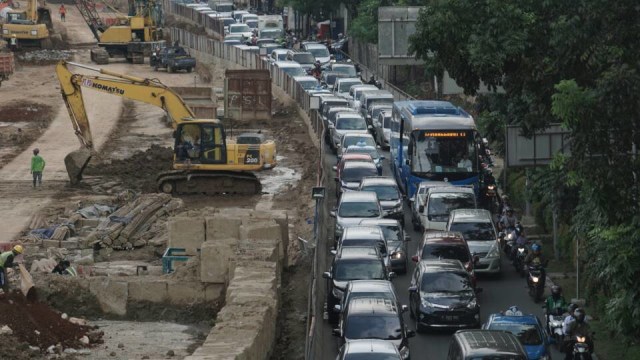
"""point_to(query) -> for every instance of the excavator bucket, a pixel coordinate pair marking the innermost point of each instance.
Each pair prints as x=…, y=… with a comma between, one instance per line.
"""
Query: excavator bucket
x=75, y=162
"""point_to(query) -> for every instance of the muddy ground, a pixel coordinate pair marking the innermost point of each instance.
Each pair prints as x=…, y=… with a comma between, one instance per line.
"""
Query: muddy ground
x=20, y=124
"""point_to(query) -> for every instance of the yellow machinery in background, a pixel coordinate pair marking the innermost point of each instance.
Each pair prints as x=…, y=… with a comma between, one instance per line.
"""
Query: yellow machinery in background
x=133, y=36
x=205, y=161
x=31, y=27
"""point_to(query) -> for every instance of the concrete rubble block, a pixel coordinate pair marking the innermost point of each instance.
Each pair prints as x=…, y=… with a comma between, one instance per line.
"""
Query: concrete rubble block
x=145, y=290
x=187, y=293
x=214, y=262
x=71, y=243
x=214, y=292
x=262, y=230
x=186, y=233
x=48, y=243
x=112, y=295
x=220, y=227
x=87, y=222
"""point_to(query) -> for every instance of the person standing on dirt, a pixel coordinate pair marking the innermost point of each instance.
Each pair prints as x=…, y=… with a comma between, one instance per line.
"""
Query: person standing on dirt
x=63, y=13
x=6, y=261
x=37, y=166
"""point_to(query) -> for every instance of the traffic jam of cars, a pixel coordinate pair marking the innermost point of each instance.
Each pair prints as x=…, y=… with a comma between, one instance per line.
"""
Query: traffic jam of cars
x=422, y=166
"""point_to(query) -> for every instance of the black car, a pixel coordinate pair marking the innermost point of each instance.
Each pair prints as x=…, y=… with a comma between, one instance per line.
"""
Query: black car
x=375, y=318
x=352, y=263
x=396, y=242
x=367, y=236
x=442, y=295
x=388, y=194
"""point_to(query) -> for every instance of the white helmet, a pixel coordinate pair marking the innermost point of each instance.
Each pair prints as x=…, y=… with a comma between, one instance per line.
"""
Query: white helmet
x=513, y=311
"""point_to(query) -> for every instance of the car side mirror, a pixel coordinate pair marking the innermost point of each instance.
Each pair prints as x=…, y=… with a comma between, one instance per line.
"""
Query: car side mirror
x=414, y=258
x=411, y=333
x=326, y=275
x=335, y=168
x=404, y=308
x=392, y=275
x=478, y=290
x=332, y=213
x=421, y=208
x=337, y=308
x=413, y=289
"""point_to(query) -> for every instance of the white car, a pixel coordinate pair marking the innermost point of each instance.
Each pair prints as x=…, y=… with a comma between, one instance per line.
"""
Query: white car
x=240, y=29
x=346, y=123
x=307, y=82
x=355, y=93
x=440, y=201
x=292, y=68
x=278, y=55
x=319, y=51
x=342, y=86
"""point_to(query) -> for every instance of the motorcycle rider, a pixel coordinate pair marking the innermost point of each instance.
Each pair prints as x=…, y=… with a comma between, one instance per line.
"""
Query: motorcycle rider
x=508, y=220
x=566, y=324
x=519, y=239
x=317, y=70
x=372, y=80
x=535, y=257
x=578, y=327
x=556, y=303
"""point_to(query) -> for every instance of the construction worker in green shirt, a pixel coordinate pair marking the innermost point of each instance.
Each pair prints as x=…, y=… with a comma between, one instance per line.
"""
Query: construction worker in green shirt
x=6, y=261
x=37, y=166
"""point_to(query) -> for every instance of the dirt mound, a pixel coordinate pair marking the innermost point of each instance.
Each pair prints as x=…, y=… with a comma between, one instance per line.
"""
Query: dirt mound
x=139, y=172
x=42, y=57
x=38, y=324
x=20, y=124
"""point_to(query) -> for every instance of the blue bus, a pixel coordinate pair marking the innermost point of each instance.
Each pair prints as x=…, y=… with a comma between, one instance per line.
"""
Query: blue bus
x=440, y=142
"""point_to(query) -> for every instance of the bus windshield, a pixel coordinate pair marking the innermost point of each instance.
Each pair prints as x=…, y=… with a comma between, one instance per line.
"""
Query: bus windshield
x=443, y=151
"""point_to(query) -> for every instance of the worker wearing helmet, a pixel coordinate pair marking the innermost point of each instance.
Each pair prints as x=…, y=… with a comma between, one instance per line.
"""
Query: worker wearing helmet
x=6, y=261
x=13, y=42
x=37, y=167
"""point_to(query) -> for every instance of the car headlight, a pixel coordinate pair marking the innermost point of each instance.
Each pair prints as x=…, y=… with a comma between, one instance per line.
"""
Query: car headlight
x=425, y=303
x=34, y=32
x=396, y=255
x=472, y=304
x=404, y=352
x=494, y=252
x=337, y=293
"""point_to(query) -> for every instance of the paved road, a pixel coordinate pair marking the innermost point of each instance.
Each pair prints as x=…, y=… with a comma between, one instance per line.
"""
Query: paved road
x=498, y=294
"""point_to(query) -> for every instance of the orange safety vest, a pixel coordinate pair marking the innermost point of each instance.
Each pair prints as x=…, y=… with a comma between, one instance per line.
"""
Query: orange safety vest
x=62, y=10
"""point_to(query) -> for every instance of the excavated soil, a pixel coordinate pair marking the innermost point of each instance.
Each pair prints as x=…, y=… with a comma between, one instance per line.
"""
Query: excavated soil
x=20, y=124
x=37, y=324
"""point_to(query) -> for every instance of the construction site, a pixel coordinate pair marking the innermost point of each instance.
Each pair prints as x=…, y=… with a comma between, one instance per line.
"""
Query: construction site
x=175, y=252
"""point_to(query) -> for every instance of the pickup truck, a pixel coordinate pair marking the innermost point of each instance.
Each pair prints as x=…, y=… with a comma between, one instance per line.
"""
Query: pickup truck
x=172, y=58
x=7, y=65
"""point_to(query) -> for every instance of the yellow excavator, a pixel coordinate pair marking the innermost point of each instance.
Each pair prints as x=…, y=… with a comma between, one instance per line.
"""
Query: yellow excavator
x=205, y=161
x=31, y=27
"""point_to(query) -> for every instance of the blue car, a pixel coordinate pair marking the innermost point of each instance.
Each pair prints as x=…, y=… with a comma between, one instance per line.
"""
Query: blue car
x=528, y=329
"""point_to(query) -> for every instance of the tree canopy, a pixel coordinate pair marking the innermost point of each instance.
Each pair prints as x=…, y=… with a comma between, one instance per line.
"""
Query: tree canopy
x=576, y=63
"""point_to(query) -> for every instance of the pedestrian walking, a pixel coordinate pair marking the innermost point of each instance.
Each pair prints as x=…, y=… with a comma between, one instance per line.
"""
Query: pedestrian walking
x=63, y=13
x=37, y=166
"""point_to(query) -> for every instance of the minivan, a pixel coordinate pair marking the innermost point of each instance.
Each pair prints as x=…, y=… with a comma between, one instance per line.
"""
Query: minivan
x=440, y=201
x=485, y=344
x=376, y=97
x=476, y=226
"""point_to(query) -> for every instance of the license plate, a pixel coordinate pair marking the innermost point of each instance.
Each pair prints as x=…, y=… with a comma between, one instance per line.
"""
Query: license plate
x=451, y=318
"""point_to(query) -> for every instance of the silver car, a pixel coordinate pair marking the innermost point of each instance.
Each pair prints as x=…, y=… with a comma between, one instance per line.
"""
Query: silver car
x=477, y=229
x=355, y=206
x=347, y=123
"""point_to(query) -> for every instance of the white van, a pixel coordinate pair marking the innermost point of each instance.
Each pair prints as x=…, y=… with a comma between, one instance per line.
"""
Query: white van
x=440, y=201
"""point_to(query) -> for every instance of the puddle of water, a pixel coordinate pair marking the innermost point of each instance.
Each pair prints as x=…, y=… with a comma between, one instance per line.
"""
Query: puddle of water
x=279, y=177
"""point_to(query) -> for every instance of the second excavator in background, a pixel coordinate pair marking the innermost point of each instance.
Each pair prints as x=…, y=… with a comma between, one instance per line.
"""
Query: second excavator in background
x=205, y=160
x=31, y=27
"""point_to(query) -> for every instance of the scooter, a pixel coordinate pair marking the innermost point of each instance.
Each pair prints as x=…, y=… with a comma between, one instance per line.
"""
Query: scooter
x=535, y=282
x=581, y=349
x=519, y=255
x=554, y=327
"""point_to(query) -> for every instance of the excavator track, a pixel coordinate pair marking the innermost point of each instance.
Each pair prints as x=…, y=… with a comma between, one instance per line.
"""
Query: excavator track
x=208, y=182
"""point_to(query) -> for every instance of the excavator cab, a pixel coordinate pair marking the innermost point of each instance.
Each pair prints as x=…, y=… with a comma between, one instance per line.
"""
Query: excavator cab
x=200, y=143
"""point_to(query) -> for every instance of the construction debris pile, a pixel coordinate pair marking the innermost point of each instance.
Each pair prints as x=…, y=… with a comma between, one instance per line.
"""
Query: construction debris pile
x=43, y=328
x=46, y=56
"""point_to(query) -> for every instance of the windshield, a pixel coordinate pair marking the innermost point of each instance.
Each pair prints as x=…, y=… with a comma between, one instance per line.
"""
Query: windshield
x=382, y=247
x=359, y=140
x=360, y=269
x=528, y=334
x=480, y=231
x=387, y=122
x=385, y=192
x=372, y=102
x=363, y=150
x=319, y=52
x=355, y=174
x=377, y=110
x=346, y=85
x=228, y=22
x=349, y=70
x=441, y=204
x=359, y=210
x=294, y=71
x=239, y=28
x=252, y=23
x=351, y=123
x=373, y=327
x=308, y=84
x=438, y=251
x=443, y=152
x=391, y=232
x=449, y=281
x=270, y=34
x=303, y=58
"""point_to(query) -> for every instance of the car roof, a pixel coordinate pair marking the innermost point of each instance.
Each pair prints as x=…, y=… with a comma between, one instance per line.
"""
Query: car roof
x=449, y=237
x=314, y=45
x=471, y=215
x=370, y=285
x=359, y=147
x=280, y=51
x=451, y=189
x=370, y=306
x=369, y=346
x=441, y=265
x=341, y=109
x=304, y=78
x=237, y=25
x=381, y=222
x=349, y=79
x=362, y=232
x=358, y=135
x=489, y=342
x=287, y=63
x=360, y=165
x=528, y=319
x=349, y=115
x=358, y=196
x=379, y=180
x=431, y=184
x=358, y=252
x=355, y=157
x=378, y=93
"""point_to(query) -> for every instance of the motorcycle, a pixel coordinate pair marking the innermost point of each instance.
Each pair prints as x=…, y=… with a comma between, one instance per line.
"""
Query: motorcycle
x=554, y=327
x=518, y=261
x=509, y=240
x=581, y=349
x=536, y=282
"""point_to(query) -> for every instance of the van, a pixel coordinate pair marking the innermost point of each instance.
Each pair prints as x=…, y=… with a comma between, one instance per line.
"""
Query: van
x=440, y=201
x=376, y=97
x=485, y=345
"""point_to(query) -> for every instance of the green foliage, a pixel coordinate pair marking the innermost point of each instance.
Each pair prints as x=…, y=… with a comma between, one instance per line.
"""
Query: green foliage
x=365, y=26
x=614, y=255
x=318, y=10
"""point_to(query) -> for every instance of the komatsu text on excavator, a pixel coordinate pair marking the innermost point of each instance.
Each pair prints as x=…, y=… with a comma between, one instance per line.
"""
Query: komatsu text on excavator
x=205, y=161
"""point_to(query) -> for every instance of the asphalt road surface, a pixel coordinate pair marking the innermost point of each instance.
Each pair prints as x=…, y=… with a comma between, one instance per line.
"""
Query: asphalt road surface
x=499, y=293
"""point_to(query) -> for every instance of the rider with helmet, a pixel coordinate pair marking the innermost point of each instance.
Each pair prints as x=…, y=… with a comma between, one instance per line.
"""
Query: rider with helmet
x=578, y=327
x=535, y=257
x=317, y=69
x=512, y=311
x=556, y=303
x=508, y=220
x=6, y=261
